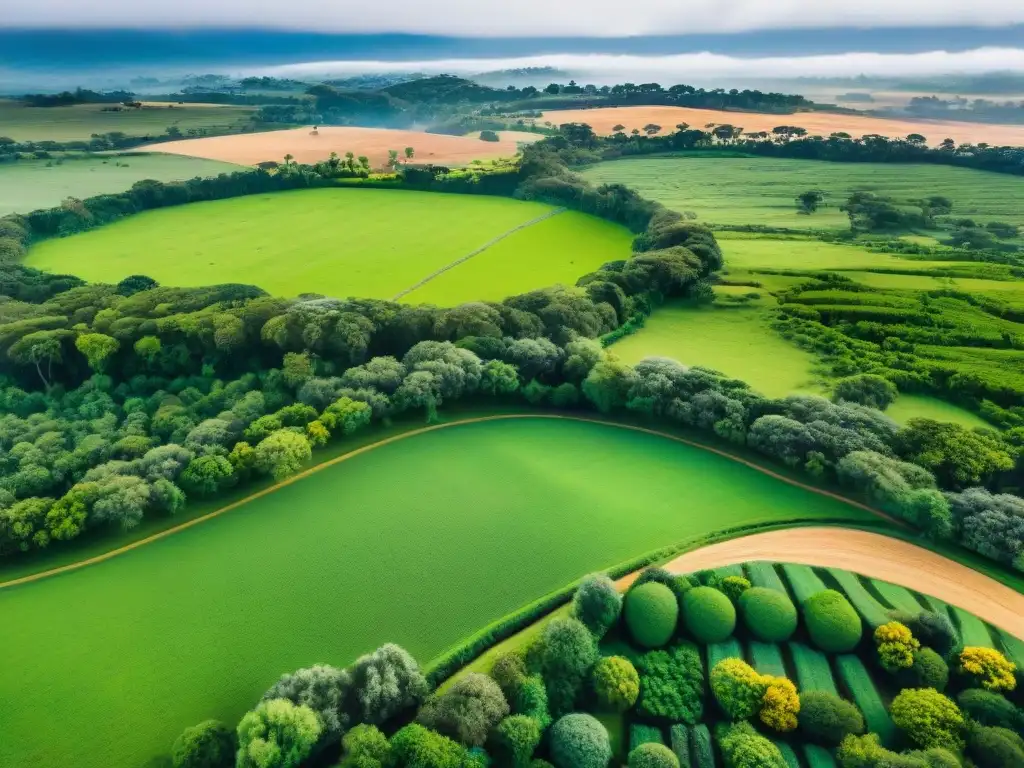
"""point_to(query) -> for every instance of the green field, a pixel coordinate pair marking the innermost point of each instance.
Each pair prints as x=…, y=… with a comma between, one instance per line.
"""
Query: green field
x=199, y=624
x=369, y=243
x=740, y=191
x=29, y=185
x=737, y=342
x=80, y=121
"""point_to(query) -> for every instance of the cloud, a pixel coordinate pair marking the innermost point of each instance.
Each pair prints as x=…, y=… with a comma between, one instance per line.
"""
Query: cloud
x=613, y=18
x=695, y=67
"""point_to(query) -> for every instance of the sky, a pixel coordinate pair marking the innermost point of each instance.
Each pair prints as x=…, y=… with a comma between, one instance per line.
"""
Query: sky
x=602, y=18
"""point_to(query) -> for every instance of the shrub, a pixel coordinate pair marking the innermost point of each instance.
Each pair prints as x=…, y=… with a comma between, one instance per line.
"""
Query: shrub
x=780, y=705
x=211, y=744
x=567, y=651
x=709, y=615
x=651, y=613
x=929, y=670
x=734, y=587
x=366, y=747
x=579, y=741
x=768, y=614
x=385, y=683
x=417, y=747
x=653, y=756
x=277, y=734
x=987, y=668
x=467, y=711
x=616, y=683
x=827, y=719
x=323, y=689
x=532, y=700
x=896, y=646
x=928, y=718
x=995, y=747
x=866, y=389
x=743, y=747
x=866, y=752
x=672, y=684
x=936, y=631
x=988, y=708
x=509, y=672
x=488, y=136
x=833, y=624
x=597, y=603
x=516, y=738
x=738, y=688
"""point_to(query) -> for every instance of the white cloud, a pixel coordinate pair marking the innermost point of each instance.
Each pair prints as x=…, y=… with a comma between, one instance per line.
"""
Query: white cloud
x=515, y=17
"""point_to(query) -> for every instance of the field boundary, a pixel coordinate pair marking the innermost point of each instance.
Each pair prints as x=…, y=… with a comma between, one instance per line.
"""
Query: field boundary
x=463, y=259
x=415, y=433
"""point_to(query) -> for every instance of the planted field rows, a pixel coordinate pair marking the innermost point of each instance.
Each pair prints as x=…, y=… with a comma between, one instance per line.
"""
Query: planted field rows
x=813, y=672
x=857, y=682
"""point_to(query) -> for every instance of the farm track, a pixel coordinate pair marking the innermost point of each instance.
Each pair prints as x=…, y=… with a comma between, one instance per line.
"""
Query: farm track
x=463, y=259
x=872, y=555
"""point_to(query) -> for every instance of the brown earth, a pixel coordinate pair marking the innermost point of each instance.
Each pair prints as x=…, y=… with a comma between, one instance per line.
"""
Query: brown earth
x=307, y=147
x=603, y=119
x=873, y=555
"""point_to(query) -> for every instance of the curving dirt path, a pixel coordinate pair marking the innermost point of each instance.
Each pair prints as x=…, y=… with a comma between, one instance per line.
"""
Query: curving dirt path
x=875, y=556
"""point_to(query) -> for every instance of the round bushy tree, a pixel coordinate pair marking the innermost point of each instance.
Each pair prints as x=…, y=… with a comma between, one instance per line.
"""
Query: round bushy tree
x=896, y=645
x=709, y=615
x=653, y=756
x=211, y=744
x=467, y=711
x=988, y=708
x=384, y=683
x=531, y=699
x=417, y=747
x=928, y=718
x=567, y=651
x=616, y=683
x=743, y=747
x=516, y=738
x=780, y=705
x=651, y=613
x=738, y=688
x=987, y=668
x=866, y=389
x=277, y=734
x=579, y=741
x=995, y=747
x=827, y=719
x=509, y=672
x=929, y=670
x=833, y=624
x=323, y=689
x=366, y=747
x=769, y=614
x=597, y=603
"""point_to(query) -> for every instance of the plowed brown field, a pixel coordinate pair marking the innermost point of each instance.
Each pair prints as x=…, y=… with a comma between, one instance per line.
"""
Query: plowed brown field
x=603, y=119
x=307, y=147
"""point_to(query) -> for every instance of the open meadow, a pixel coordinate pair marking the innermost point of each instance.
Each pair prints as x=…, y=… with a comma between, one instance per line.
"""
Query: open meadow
x=483, y=519
x=756, y=190
x=307, y=146
x=604, y=119
x=29, y=185
x=80, y=121
x=343, y=242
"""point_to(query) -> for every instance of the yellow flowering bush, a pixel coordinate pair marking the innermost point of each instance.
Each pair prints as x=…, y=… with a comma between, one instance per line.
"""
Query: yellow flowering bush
x=989, y=668
x=896, y=645
x=780, y=705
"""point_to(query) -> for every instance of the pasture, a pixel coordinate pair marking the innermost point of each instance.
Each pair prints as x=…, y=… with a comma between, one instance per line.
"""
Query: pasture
x=29, y=185
x=756, y=190
x=309, y=147
x=368, y=243
x=80, y=121
x=496, y=514
x=604, y=119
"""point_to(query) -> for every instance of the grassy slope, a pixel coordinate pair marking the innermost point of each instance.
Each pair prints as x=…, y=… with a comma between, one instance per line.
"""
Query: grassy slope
x=340, y=242
x=200, y=631
x=32, y=184
x=723, y=190
x=81, y=121
x=556, y=250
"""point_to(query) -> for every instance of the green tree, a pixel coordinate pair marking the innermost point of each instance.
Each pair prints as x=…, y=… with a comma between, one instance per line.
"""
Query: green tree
x=346, y=415
x=579, y=741
x=211, y=744
x=467, y=711
x=808, y=202
x=40, y=349
x=928, y=718
x=282, y=454
x=277, y=734
x=409, y=152
x=866, y=389
x=616, y=682
x=957, y=456
x=208, y=475
x=597, y=603
x=516, y=738
x=417, y=747
x=827, y=719
x=97, y=348
x=297, y=368
x=366, y=747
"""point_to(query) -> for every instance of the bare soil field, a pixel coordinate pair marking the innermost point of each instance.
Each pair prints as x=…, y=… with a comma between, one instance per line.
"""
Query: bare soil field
x=875, y=556
x=603, y=119
x=309, y=147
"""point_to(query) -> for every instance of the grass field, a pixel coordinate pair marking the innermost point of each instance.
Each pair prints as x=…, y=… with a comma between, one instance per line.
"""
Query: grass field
x=341, y=242
x=32, y=184
x=197, y=625
x=737, y=342
x=756, y=190
x=80, y=121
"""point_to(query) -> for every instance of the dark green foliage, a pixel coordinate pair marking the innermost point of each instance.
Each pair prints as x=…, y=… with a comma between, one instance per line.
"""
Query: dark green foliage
x=930, y=670
x=679, y=740
x=743, y=747
x=467, y=711
x=866, y=389
x=959, y=457
x=377, y=703
x=211, y=744
x=672, y=684
x=641, y=733
x=417, y=747
x=566, y=653
x=702, y=747
x=709, y=615
x=322, y=688
x=366, y=747
x=531, y=699
x=934, y=630
x=992, y=747
x=597, y=603
x=509, y=672
x=579, y=741
x=989, y=708
x=488, y=136
x=651, y=613
x=768, y=614
x=827, y=719
x=653, y=756
x=515, y=739
x=833, y=624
